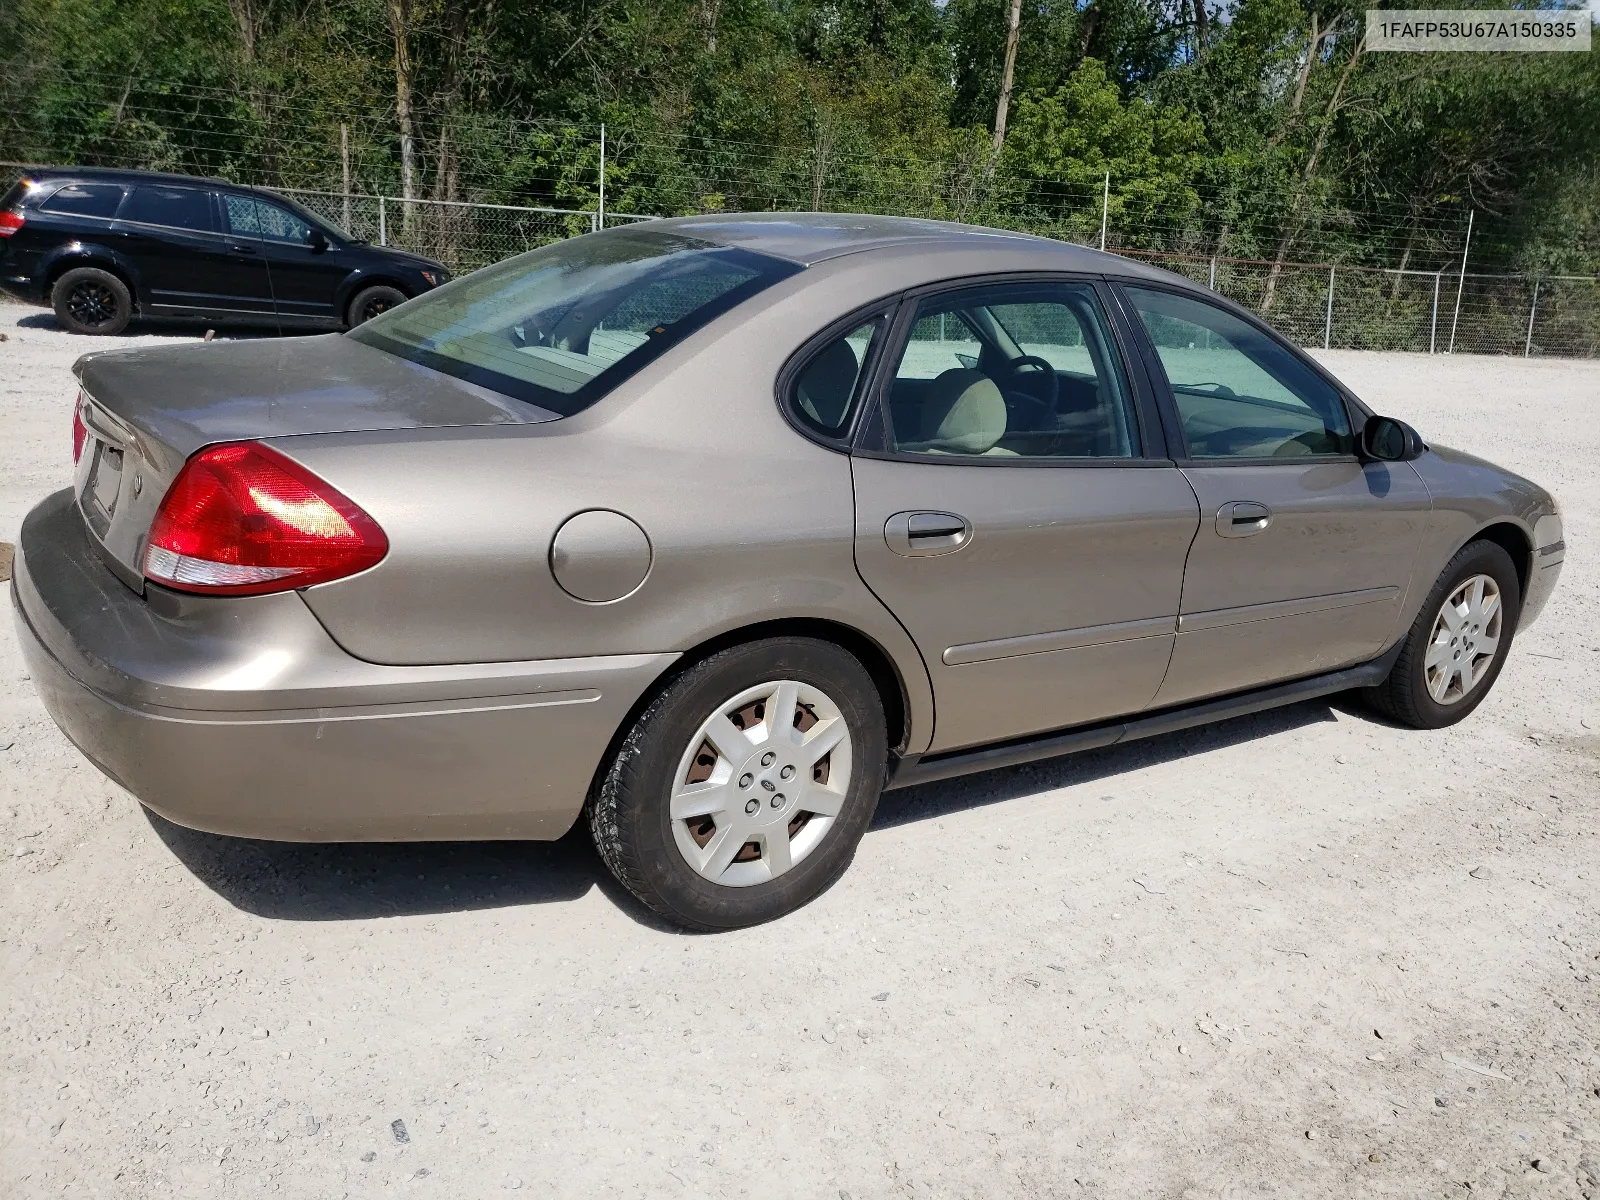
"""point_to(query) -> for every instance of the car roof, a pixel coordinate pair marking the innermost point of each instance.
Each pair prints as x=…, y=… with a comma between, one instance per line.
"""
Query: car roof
x=123, y=175
x=809, y=238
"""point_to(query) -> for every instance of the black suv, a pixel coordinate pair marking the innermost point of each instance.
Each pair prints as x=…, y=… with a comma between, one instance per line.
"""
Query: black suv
x=100, y=246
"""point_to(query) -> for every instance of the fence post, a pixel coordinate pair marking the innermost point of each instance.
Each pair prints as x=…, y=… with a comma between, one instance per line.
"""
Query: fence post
x=1533, y=308
x=1327, y=324
x=1105, y=207
x=1212, y=282
x=600, y=211
x=1461, y=283
x=344, y=160
x=383, y=223
x=1433, y=333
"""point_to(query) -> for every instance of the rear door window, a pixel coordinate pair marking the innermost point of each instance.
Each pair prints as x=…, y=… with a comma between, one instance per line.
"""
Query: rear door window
x=174, y=207
x=1024, y=370
x=85, y=200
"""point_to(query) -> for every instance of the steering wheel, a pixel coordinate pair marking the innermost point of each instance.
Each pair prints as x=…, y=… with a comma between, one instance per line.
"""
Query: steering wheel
x=1053, y=382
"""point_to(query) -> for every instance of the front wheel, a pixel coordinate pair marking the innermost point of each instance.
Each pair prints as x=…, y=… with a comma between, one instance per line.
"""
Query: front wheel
x=1458, y=643
x=741, y=790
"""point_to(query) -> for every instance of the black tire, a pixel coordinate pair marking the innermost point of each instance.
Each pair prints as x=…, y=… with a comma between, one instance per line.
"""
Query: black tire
x=628, y=810
x=1403, y=696
x=369, y=302
x=89, y=300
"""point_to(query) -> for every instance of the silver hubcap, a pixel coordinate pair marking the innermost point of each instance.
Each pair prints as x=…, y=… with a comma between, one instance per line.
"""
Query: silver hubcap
x=1466, y=635
x=761, y=783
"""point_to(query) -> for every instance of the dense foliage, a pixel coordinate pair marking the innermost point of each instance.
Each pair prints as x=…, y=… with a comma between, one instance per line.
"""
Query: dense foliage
x=1262, y=129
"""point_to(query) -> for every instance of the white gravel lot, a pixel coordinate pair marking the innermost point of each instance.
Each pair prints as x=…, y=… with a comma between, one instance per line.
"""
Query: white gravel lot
x=1301, y=954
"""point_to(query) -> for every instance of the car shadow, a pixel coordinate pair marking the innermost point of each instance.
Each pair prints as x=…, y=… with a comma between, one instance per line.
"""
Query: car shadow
x=155, y=326
x=348, y=881
x=352, y=881
x=929, y=800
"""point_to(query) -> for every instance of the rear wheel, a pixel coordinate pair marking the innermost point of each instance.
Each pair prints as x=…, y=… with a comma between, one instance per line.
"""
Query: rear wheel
x=89, y=300
x=1458, y=643
x=741, y=791
x=369, y=302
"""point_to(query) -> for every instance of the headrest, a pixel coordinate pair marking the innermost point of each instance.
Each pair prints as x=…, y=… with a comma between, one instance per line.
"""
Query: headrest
x=829, y=381
x=965, y=413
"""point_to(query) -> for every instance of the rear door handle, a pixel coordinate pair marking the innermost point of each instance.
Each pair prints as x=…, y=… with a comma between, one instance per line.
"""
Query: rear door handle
x=1242, y=518
x=243, y=249
x=919, y=534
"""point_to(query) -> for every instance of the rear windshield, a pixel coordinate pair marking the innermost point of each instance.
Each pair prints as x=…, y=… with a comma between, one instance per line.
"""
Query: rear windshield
x=561, y=326
x=14, y=193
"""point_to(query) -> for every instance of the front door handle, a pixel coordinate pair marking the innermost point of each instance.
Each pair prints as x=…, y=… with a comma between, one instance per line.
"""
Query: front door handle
x=239, y=249
x=1242, y=518
x=919, y=534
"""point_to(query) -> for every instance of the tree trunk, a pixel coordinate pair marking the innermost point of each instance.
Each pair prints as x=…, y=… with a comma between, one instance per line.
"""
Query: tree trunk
x=400, y=25
x=821, y=152
x=1291, y=227
x=249, y=16
x=1006, y=76
x=710, y=10
x=1202, y=26
x=1089, y=25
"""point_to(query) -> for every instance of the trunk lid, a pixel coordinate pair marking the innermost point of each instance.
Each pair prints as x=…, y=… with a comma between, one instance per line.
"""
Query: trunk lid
x=148, y=410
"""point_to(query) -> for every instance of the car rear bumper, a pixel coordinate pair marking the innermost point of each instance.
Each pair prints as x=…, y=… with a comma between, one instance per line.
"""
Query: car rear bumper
x=243, y=717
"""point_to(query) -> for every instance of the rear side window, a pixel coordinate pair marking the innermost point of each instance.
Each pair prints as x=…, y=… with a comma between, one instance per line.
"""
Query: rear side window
x=561, y=326
x=85, y=200
x=177, y=207
x=826, y=391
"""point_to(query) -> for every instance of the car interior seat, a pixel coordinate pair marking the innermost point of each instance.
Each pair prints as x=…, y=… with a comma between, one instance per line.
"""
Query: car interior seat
x=962, y=412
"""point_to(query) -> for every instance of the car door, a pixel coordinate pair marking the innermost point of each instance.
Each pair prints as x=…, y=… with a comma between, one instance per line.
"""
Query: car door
x=1010, y=515
x=1304, y=552
x=189, y=264
x=307, y=267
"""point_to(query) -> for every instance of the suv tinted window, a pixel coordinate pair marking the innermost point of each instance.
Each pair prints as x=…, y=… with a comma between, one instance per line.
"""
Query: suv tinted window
x=258, y=218
x=562, y=325
x=178, y=207
x=85, y=200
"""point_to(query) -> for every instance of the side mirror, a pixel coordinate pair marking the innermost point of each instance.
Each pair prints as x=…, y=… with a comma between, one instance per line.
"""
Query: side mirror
x=1388, y=440
x=317, y=240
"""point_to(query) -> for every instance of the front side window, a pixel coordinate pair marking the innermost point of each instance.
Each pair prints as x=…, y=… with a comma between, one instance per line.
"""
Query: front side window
x=828, y=386
x=562, y=325
x=85, y=200
x=258, y=218
x=176, y=207
x=1240, y=394
x=1015, y=371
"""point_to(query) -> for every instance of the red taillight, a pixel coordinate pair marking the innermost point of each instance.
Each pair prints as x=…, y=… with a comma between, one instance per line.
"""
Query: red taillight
x=241, y=519
x=10, y=221
x=80, y=432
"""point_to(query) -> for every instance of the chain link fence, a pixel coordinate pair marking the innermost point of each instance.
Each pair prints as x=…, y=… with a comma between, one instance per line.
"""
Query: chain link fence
x=1316, y=304
x=463, y=236
x=1430, y=312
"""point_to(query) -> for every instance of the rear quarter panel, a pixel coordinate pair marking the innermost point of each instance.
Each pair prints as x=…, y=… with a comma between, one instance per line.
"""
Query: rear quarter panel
x=747, y=520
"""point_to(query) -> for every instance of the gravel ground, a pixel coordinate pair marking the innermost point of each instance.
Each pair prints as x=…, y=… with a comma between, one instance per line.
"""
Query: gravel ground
x=1298, y=954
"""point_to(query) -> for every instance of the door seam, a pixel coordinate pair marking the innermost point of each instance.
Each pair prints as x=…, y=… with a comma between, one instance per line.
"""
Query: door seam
x=855, y=564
